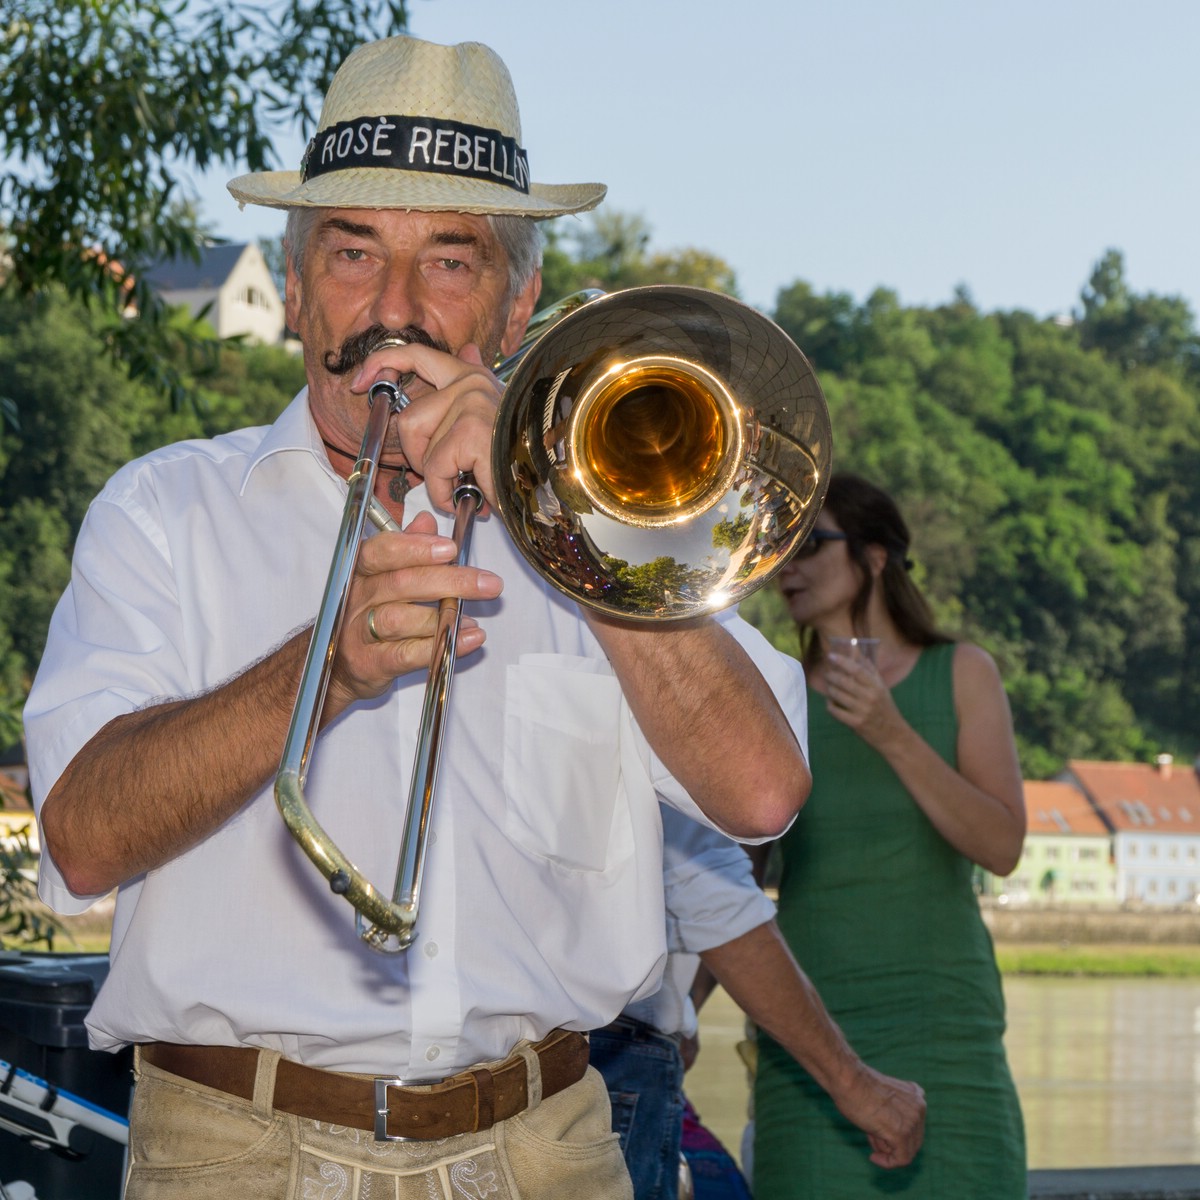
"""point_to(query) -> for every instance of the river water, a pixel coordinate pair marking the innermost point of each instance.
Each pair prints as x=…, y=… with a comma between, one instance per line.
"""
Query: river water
x=1108, y=1070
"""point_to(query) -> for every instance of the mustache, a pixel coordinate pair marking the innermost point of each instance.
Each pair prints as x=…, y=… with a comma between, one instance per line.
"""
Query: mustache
x=354, y=350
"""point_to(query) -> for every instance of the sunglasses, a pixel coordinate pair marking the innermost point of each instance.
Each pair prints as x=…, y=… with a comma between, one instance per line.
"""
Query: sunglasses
x=815, y=540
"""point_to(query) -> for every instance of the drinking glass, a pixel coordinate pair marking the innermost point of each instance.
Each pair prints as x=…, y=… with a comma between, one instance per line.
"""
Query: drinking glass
x=866, y=649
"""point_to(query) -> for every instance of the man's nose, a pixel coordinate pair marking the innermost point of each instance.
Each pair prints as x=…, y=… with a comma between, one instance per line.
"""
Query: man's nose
x=397, y=302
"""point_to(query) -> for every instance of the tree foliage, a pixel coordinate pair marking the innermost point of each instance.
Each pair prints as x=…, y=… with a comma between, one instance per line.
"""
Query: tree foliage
x=1048, y=470
x=611, y=250
x=107, y=106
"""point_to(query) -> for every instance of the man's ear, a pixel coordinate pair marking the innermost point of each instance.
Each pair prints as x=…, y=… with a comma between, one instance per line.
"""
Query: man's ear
x=292, y=292
x=519, y=314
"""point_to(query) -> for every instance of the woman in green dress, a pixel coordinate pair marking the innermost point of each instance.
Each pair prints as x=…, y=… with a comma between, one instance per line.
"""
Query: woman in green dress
x=915, y=780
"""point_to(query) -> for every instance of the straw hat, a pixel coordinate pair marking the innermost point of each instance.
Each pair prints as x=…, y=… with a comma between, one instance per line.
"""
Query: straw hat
x=410, y=124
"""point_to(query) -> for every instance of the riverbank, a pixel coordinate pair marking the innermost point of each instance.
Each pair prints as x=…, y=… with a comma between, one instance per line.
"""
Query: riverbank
x=1080, y=926
x=1098, y=942
x=1099, y=961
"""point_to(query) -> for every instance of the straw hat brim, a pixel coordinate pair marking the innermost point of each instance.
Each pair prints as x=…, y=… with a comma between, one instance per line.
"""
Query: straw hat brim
x=377, y=187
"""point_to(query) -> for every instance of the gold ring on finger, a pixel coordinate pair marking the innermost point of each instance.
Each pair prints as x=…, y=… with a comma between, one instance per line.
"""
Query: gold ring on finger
x=375, y=634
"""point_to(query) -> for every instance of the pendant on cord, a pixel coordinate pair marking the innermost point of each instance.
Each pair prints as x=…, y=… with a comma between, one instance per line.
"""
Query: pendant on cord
x=398, y=486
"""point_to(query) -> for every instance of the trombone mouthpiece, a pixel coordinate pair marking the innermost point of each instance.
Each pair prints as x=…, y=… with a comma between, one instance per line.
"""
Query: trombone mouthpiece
x=393, y=394
x=392, y=391
x=392, y=339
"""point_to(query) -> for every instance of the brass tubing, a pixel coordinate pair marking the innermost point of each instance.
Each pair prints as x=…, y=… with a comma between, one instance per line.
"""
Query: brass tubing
x=344, y=878
x=383, y=924
x=410, y=868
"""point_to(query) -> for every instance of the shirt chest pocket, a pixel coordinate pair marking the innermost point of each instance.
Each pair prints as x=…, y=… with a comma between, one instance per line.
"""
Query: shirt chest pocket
x=565, y=795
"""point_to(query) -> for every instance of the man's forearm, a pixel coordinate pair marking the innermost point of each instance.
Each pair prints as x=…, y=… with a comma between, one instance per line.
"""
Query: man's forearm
x=764, y=979
x=762, y=976
x=153, y=783
x=712, y=719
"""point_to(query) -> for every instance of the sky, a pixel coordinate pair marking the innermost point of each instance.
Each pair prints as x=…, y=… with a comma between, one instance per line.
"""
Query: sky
x=918, y=145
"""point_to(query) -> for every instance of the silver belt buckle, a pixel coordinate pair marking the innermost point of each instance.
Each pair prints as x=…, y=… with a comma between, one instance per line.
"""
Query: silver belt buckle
x=382, y=1083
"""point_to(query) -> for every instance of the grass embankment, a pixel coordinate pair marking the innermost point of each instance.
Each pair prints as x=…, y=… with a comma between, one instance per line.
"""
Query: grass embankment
x=1101, y=959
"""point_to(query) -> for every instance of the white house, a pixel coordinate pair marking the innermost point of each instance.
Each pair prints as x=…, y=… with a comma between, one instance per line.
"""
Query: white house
x=233, y=281
x=1154, y=813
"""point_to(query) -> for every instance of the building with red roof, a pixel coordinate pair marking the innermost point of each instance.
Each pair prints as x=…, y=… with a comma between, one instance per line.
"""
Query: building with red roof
x=1067, y=858
x=1153, y=813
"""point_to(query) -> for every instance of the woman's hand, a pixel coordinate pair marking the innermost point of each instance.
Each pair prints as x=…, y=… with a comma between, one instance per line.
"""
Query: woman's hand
x=856, y=695
x=977, y=803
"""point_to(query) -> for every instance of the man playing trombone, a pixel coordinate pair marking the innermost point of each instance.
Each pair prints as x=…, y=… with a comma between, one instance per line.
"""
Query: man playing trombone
x=278, y=1055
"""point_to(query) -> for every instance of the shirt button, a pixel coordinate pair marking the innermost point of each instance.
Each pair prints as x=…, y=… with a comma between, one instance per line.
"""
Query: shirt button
x=432, y=1053
x=431, y=949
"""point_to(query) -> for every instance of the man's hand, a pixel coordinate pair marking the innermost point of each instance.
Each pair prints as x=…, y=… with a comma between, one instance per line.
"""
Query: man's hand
x=448, y=426
x=391, y=611
x=891, y=1112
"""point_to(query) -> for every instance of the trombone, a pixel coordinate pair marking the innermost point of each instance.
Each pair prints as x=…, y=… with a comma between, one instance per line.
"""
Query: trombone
x=658, y=455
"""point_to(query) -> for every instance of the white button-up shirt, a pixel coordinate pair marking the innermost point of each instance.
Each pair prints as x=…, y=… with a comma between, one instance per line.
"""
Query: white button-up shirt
x=542, y=900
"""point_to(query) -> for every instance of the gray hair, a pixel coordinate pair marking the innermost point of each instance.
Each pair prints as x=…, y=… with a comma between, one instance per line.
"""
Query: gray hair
x=520, y=238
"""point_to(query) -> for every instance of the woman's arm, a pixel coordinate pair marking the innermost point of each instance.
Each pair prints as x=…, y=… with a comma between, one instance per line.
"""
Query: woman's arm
x=978, y=808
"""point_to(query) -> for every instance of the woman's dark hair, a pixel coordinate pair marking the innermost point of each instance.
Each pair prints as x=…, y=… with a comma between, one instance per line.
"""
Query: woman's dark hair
x=868, y=516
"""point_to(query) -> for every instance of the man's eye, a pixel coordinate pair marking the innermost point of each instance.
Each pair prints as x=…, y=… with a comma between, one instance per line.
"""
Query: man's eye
x=351, y=254
x=452, y=264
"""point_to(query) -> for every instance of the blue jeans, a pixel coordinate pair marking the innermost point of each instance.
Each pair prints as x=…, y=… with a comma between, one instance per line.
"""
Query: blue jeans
x=643, y=1071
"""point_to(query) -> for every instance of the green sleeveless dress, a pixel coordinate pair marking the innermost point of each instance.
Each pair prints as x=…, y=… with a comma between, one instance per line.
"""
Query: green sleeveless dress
x=880, y=912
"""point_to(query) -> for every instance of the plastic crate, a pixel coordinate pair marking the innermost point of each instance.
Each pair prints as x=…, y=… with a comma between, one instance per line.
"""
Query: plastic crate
x=44, y=999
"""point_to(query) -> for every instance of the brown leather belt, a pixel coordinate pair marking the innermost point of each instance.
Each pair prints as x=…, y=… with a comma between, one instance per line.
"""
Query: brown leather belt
x=465, y=1103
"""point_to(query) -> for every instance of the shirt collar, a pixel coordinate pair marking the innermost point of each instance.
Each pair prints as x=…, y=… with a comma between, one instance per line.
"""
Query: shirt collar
x=294, y=430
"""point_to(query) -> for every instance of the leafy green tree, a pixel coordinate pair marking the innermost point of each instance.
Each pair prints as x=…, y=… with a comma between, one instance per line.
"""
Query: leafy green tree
x=646, y=587
x=730, y=534
x=80, y=419
x=611, y=250
x=824, y=327
x=1050, y=472
x=106, y=105
x=1132, y=330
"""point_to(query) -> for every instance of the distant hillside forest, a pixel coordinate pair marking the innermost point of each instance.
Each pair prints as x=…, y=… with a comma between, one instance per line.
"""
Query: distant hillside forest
x=1050, y=470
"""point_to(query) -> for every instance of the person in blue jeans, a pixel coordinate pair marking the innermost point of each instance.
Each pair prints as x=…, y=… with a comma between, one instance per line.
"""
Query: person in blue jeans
x=719, y=918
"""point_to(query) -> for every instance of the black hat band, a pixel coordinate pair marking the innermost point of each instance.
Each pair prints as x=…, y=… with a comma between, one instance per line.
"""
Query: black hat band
x=418, y=144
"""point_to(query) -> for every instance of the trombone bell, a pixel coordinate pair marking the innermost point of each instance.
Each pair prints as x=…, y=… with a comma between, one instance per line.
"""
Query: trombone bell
x=660, y=452
x=656, y=440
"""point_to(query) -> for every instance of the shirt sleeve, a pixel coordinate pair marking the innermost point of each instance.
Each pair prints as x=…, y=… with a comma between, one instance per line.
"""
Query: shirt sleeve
x=711, y=894
x=711, y=899
x=113, y=647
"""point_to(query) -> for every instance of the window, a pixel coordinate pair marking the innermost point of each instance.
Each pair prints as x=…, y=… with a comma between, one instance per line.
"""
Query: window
x=253, y=297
